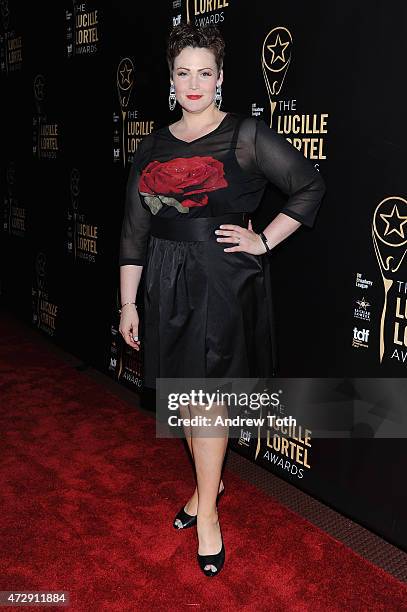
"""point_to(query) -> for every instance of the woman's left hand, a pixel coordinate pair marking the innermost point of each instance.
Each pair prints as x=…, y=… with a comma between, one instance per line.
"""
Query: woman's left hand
x=248, y=241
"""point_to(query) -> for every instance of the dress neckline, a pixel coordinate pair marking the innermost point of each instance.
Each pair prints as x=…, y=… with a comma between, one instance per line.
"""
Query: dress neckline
x=200, y=137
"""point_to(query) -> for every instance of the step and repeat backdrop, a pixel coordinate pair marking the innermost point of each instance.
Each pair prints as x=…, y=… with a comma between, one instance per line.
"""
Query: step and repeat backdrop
x=84, y=82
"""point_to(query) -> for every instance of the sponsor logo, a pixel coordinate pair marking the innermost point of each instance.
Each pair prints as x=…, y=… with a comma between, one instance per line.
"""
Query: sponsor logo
x=82, y=29
x=205, y=12
x=389, y=235
x=14, y=213
x=82, y=235
x=44, y=310
x=361, y=311
x=362, y=283
x=305, y=131
x=45, y=132
x=128, y=135
x=360, y=337
x=11, y=43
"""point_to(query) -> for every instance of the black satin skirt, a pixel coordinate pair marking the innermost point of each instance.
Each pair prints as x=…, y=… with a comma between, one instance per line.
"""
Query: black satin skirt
x=207, y=313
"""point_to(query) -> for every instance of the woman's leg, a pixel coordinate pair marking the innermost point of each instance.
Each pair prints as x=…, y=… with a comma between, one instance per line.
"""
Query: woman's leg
x=209, y=446
x=191, y=507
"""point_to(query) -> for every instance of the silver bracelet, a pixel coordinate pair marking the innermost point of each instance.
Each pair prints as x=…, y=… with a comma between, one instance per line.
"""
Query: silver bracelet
x=125, y=304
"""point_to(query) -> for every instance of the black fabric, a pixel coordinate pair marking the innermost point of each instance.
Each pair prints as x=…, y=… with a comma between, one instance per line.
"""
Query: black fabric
x=208, y=313
x=250, y=153
x=196, y=229
x=205, y=313
x=137, y=218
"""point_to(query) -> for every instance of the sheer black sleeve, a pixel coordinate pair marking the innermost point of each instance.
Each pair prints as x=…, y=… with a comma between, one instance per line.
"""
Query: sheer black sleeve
x=136, y=220
x=282, y=164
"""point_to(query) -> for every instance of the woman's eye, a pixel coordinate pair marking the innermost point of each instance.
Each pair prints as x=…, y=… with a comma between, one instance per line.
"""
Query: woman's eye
x=182, y=73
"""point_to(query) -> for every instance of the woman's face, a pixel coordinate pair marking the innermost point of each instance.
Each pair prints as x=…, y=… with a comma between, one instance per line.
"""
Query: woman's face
x=195, y=74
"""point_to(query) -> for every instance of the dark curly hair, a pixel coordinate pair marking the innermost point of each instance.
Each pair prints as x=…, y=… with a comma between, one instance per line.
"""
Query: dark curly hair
x=190, y=35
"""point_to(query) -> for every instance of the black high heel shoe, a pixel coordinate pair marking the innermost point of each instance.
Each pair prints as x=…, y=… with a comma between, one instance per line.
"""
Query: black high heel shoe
x=217, y=560
x=183, y=520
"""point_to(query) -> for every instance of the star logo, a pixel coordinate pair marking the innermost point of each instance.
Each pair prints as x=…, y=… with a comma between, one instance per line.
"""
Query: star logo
x=362, y=303
x=125, y=74
x=4, y=8
x=278, y=50
x=75, y=178
x=395, y=221
x=40, y=264
x=39, y=87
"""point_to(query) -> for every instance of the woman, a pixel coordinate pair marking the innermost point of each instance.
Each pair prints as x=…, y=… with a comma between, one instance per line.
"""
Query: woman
x=190, y=189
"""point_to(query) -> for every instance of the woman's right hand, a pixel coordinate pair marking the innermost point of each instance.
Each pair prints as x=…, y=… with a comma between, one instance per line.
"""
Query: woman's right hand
x=129, y=325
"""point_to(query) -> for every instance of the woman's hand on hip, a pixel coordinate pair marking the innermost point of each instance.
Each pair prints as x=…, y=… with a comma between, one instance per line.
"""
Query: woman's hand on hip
x=129, y=325
x=248, y=241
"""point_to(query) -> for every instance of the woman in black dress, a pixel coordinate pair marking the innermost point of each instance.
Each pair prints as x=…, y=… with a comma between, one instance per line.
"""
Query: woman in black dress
x=207, y=311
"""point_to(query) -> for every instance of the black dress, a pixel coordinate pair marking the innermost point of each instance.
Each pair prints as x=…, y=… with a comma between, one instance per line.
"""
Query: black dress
x=207, y=313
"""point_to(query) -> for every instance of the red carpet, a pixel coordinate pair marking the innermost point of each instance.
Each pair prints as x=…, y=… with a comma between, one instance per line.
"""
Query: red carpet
x=88, y=496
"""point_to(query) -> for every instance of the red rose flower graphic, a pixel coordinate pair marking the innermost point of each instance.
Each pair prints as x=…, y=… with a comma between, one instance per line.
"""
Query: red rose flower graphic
x=190, y=178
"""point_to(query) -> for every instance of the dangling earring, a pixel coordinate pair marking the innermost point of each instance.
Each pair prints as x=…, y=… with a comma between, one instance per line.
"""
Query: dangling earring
x=218, y=96
x=172, y=100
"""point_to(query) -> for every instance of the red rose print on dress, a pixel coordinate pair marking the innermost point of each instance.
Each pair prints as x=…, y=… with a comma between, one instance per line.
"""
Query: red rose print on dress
x=189, y=178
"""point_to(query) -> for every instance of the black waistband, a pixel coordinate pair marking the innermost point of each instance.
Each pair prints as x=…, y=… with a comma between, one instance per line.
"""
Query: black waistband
x=200, y=229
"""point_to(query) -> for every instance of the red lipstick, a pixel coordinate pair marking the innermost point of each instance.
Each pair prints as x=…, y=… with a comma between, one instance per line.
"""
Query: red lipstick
x=194, y=97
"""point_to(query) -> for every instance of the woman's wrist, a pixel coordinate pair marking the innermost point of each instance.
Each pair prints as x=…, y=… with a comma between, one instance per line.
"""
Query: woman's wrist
x=126, y=304
x=264, y=240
